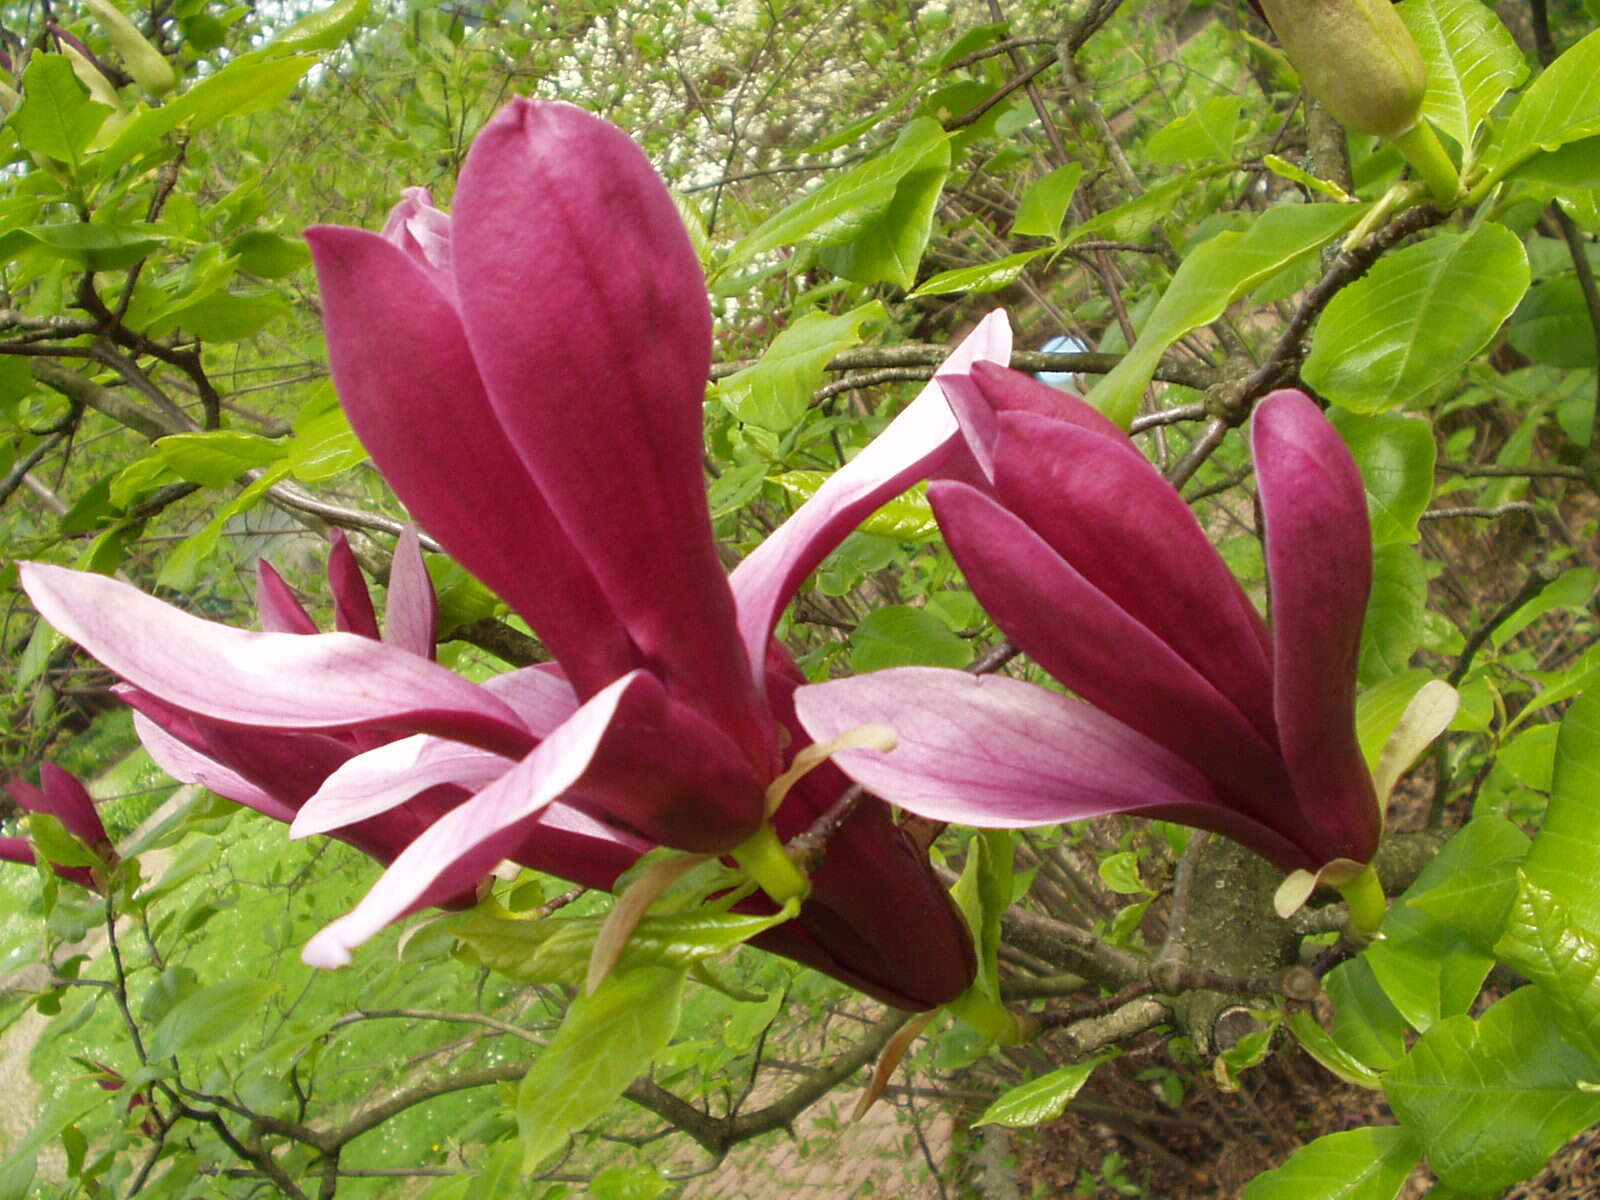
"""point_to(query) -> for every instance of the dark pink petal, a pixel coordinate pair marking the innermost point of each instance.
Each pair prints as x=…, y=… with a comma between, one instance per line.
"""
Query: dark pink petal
x=72, y=805
x=352, y=599
x=466, y=844
x=279, y=610
x=411, y=618
x=569, y=843
x=1091, y=644
x=995, y=752
x=332, y=681
x=411, y=390
x=387, y=777
x=18, y=850
x=189, y=765
x=423, y=233
x=586, y=310
x=912, y=446
x=1129, y=534
x=1319, y=566
x=991, y=389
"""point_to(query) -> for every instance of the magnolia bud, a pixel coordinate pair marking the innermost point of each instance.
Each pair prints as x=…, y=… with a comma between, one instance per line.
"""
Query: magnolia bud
x=1357, y=58
x=150, y=70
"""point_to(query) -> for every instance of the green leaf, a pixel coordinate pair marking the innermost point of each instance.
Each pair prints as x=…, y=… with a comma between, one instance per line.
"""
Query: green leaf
x=775, y=391
x=209, y=1016
x=320, y=31
x=887, y=244
x=1210, y=278
x=1416, y=318
x=1120, y=873
x=1474, y=902
x=1366, y=1024
x=1472, y=60
x=1320, y=1044
x=1493, y=1099
x=1042, y=1099
x=51, y=839
x=217, y=458
x=983, y=893
x=607, y=1040
x=1206, y=133
x=222, y=316
x=182, y=567
x=1562, y=105
x=899, y=635
x=97, y=247
x=846, y=206
x=1564, y=961
x=1372, y=1163
x=269, y=255
x=1395, y=609
x=1571, y=591
x=984, y=277
x=1429, y=970
x=1380, y=707
x=1396, y=455
x=1552, y=325
x=1574, y=166
x=324, y=445
x=557, y=949
x=56, y=118
x=1044, y=205
x=1565, y=858
x=1134, y=218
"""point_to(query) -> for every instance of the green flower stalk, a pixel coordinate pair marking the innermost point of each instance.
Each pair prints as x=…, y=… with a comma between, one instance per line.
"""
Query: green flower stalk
x=1358, y=59
x=149, y=68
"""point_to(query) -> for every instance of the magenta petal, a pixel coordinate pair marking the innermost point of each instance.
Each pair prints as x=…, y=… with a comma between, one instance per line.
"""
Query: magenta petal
x=465, y=844
x=279, y=610
x=992, y=388
x=411, y=390
x=411, y=619
x=995, y=752
x=571, y=844
x=388, y=776
x=69, y=800
x=423, y=233
x=1319, y=565
x=1094, y=647
x=1129, y=534
x=584, y=303
x=271, y=680
x=913, y=445
x=352, y=599
x=188, y=765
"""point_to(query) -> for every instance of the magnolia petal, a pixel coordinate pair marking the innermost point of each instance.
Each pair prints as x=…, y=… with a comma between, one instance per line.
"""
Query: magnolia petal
x=540, y=696
x=1102, y=653
x=1293, y=892
x=69, y=800
x=271, y=680
x=1319, y=567
x=352, y=599
x=995, y=752
x=423, y=233
x=1126, y=530
x=908, y=450
x=388, y=776
x=407, y=382
x=991, y=389
x=188, y=765
x=411, y=618
x=570, y=844
x=465, y=844
x=586, y=310
x=279, y=611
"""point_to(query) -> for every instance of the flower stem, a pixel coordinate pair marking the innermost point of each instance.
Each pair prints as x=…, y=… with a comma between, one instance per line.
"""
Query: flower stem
x=1364, y=896
x=1422, y=150
x=766, y=861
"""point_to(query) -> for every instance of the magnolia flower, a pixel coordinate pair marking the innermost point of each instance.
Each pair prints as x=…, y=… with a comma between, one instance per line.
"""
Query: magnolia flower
x=1189, y=708
x=528, y=375
x=61, y=795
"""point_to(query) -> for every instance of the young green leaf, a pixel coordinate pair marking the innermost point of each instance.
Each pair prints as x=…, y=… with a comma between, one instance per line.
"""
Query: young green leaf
x=1471, y=57
x=1042, y=1099
x=1565, y=857
x=1359, y=1164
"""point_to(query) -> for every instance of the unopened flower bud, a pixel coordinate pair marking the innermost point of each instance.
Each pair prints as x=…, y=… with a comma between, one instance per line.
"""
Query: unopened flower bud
x=149, y=68
x=1357, y=58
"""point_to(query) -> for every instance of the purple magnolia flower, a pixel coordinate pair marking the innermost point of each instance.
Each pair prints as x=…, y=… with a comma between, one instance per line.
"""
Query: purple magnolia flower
x=1190, y=709
x=61, y=795
x=528, y=374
